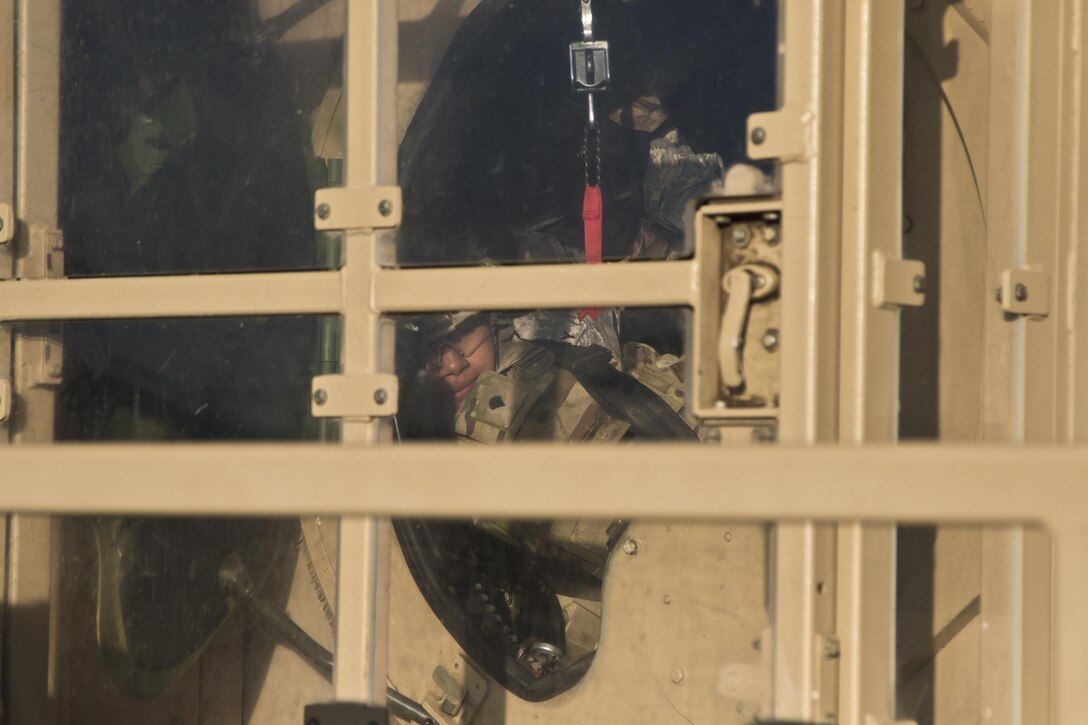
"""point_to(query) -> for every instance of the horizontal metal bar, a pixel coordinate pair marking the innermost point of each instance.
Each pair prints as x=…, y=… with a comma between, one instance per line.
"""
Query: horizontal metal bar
x=556, y=286
x=669, y=481
x=210, y=295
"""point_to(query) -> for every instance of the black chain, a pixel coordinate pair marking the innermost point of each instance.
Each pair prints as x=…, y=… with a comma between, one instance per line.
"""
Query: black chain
x=593, y=179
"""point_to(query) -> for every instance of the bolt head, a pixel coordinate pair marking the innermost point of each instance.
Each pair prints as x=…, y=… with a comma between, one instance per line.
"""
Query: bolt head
x=770, y=234
x=630, y=546
x=323, y=211
x=759, y=135
x=380, y=396
x=740, y=235
x=770, y=340
x=321, y=396
x=677, y=675
x=919, y=283
x=385, y=207
x=1020, y=291
x=667, y=599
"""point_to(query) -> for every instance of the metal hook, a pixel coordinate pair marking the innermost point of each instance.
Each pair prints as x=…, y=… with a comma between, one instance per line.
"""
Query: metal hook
x=587, y=20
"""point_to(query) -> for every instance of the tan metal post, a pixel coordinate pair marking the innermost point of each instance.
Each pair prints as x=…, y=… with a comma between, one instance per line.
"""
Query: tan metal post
x=363, y=573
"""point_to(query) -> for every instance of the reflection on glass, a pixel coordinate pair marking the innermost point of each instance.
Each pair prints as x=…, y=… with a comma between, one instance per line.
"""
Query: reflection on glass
x=195, y=132
x=562, y=375
x=190, y=379
x=498, y=151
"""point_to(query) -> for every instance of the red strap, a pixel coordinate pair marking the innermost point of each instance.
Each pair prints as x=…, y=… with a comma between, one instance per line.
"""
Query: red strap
x=592, y=217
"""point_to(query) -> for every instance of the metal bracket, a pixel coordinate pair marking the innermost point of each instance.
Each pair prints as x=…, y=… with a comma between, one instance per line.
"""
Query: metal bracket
x=7, y=223
x=43, y=359
x=354, y=396
x=345, y=713
x=1025, y=292
x=46, y=252
x=5, y=400
x=783, y=134
x=357, y=207
x=898, y=282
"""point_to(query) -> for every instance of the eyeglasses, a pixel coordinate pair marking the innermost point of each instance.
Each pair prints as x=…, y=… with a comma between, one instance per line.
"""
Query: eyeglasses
x=435, y=361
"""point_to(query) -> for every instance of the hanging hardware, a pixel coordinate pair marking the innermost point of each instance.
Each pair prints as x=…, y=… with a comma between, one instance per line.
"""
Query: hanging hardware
x=745, y=284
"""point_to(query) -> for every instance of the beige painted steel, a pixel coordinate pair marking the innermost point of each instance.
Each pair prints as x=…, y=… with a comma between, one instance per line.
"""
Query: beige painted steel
x=909, y=483
x=172, y=296
x=874, y=281
x=362, y=593
x=629, y=284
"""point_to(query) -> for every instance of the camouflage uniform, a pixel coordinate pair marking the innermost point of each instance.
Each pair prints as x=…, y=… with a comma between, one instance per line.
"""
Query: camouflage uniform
x=530, y=397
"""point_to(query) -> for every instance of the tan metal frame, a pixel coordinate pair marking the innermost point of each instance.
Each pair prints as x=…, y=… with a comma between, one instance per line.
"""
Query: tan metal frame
x=870, y=485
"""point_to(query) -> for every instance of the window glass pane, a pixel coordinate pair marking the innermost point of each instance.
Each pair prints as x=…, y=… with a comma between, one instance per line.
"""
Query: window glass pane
x=549, y=375
x=160, y=621
x=496, y=157
x=195, y=133
x=182, y=379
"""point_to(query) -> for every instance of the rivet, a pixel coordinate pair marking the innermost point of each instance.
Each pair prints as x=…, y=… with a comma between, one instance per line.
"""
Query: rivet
x=728, y=536
x=385, y=207
x=323, y=211
x=667, y=599
x=677, y=676
x=770, y=340
x=321, y=396
x=759, y=135
x=740, y=235
x=919, y=283
x=380, y=396
x=770, y=234
x=630, y=546
x=1021, y=292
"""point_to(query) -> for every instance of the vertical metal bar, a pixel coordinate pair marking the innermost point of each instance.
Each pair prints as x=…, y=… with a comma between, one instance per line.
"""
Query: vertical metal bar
x=31, y=614
x=803, y=555
x=869, y=344
x=362, y=580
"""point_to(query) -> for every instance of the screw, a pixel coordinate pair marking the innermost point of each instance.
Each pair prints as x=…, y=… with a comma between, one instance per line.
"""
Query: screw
x=919, y=283
x=770, y=234
x=677, y=676
x=728, y=536
x=908, y=225
x=667, y=599
x=770, y=340
x=630, y=546
x=759, y=135
x=321, y=396
x=380, y=396
x=831, y=649
x=740, y=236
x=323, y=211
x=385, y=207
x=1021, y=292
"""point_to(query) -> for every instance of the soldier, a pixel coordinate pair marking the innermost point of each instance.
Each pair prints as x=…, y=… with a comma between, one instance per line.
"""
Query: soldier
x=493, y=385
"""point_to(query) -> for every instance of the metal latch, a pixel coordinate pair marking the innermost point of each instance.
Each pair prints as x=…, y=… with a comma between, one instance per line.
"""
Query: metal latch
x=355, y=396
x=783, y=134
x=745, y=284
x=1024, y=292
x=357, y=207
x=898, y=282
x=43, y=361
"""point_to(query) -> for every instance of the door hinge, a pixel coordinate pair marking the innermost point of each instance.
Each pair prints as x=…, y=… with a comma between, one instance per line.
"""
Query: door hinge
x=357, y=207
x=1024, y=292
x=354, y=396
x=898, y=282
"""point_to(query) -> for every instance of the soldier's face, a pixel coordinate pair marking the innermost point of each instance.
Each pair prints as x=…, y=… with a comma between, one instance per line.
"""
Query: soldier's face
x=459, y=361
